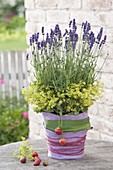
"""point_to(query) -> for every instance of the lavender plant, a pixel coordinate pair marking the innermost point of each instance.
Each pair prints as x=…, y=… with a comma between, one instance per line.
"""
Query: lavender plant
x=62, y=59
x=65, y=63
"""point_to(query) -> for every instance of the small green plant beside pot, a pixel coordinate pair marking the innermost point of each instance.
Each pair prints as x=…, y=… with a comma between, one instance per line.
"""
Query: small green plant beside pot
x=66, y=80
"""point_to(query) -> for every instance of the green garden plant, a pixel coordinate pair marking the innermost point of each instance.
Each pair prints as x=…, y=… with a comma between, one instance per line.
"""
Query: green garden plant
x=12, y=34
x=13, y=121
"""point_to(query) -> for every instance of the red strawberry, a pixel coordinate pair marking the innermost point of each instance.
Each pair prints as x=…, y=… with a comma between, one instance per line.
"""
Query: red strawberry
x=37, y=158
x=45, y=163
x=23, y=160
x=36, y=163
x=34, y=154
x=62, y=141
x=58, y=131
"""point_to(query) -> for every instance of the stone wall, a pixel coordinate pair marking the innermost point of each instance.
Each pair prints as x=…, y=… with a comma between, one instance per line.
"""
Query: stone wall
x=100, y=14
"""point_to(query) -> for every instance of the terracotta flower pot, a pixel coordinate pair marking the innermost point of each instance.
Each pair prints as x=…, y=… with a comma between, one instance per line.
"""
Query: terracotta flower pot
x=74, y=131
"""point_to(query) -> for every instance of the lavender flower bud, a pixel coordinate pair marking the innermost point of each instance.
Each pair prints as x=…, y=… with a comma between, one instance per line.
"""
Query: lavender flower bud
x=99, y=34
x=91, y=40
x=33, y=53
x=66, y=44
x=52, y=34
x=42, y=30
x=88, y=27
x=75, y=39
x=27, y=56
x=33, y=38
x=105, y=37
x=71, y=35
x=66, y=32
x=70, y=23
x=30, y=41
x=38, y=46
x=74, y=25
x=103, y=41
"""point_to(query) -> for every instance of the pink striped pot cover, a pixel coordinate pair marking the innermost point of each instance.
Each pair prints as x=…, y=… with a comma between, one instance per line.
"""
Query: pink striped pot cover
x=75, y=141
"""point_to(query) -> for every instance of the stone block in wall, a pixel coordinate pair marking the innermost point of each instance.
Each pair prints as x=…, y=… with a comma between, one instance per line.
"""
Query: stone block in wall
x=109, y=31
x=102, y=111
x=107, y=97
x=108, y=49
x=105, y=66
x=85, y=16
x=36, y=129
x=107, y=78
x=95, y=18
x=97, y=4
x=35, y=15
x=29, y=4
x=96, y=135
x=46, y=4
x=106, y=19
x=67, y=4
x=30, y=27
x=57, y=16
x=101, y=118
x=102, y=125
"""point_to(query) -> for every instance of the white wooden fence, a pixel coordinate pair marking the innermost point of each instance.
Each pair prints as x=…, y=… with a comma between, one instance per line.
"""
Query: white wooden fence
x=13, y=70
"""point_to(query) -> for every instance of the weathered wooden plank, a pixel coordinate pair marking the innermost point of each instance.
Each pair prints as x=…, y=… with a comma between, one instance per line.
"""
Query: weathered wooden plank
x=20, y=70
x=6, y=71
x=25, y=69
x=13, y=73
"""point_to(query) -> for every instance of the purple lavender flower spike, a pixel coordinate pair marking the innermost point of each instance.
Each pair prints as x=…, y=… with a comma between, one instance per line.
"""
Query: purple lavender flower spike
x=66, y=44
x=38, y=46
x=30, y=41
x=38, y=35
x=88, y=27
x=33, y=38
x=42, y=30
x=91, y=40
x=99, y=35
x=52, y=34
x=33, y=53
x=103, y=41
x=74, y=25
x=83, y=25
x=71, y=35
x=27, y=56
x=42, y=43
x=70, y=23
x=50, y=43
x=105, y=37
x=75, y=39
x=56, y=31
x=47, y=38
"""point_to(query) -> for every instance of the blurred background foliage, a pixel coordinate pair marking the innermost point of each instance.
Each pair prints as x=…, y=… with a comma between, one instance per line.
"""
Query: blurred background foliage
x=13, y=119
x=12, y=25
x=13, y=110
